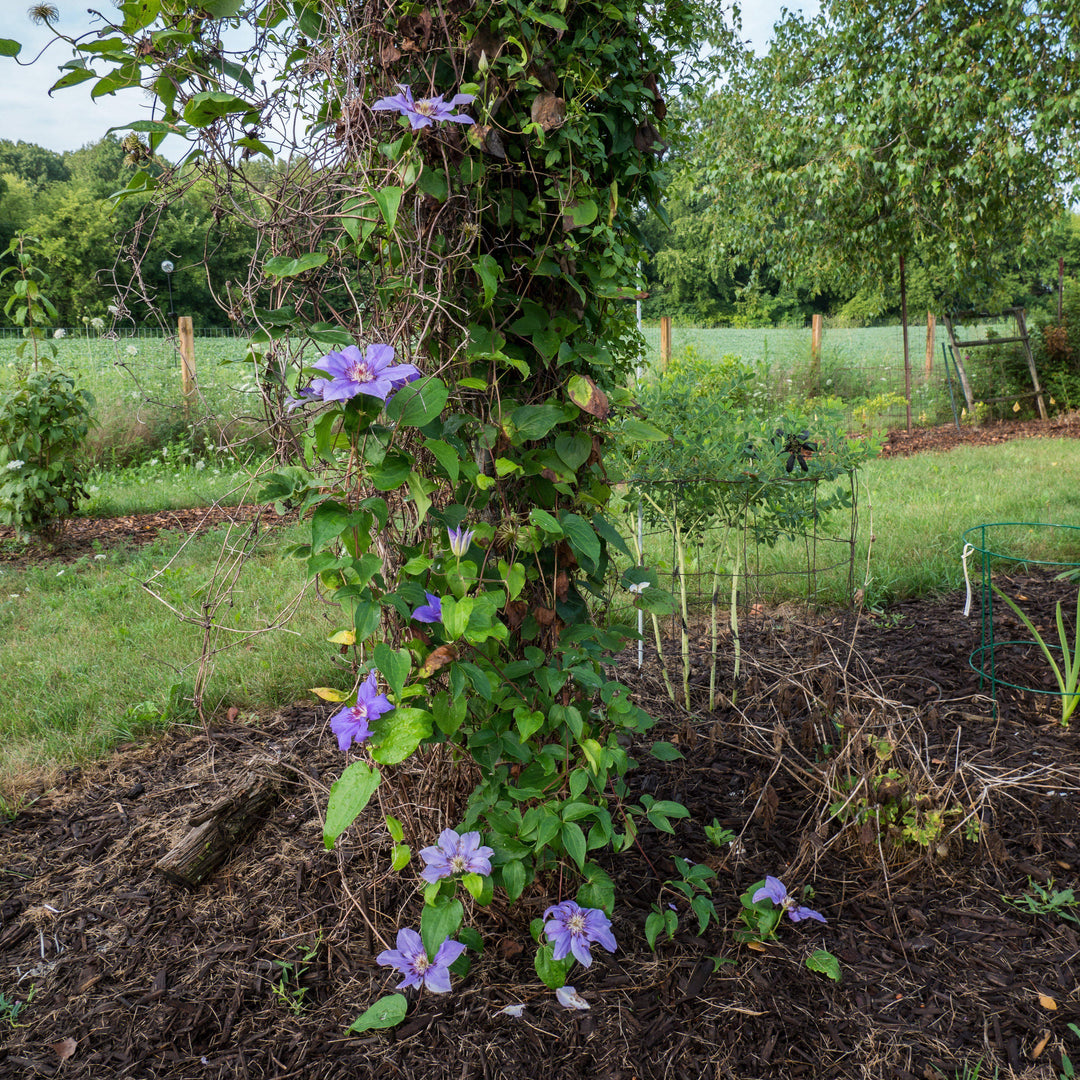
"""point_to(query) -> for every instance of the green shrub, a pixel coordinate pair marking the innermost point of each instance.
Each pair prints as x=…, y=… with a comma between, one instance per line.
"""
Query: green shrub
x=43, y=423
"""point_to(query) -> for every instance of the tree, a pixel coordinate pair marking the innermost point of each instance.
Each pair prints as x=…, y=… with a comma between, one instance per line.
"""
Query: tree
x=875, y=130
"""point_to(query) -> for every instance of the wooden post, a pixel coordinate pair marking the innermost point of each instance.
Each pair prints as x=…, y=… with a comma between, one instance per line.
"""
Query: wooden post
x=816, y=324
x=931, y=333
x=907, y=354
x=665, y=340
x=186, y=334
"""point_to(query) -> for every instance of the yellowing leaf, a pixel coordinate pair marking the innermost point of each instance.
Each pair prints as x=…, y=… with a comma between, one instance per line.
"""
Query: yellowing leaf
x=1047, y=1002
x=1016, y=406
x=343, y=637
x=328, y=693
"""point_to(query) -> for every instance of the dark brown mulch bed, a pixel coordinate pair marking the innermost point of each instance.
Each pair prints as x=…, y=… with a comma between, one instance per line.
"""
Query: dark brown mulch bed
x=83, y=537
x=948, y=436
x=133, y=977
x=150, y=980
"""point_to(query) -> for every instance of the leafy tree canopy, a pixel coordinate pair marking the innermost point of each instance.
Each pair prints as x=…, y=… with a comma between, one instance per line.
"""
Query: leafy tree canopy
x=873, y=130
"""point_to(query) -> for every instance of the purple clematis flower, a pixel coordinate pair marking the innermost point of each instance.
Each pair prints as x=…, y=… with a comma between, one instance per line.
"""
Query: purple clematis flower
x=569, y=998
x=572, y=929
x=351, y=724
x=353, y=372
x=431, y=612
x=460, y=539
x=312, y=392
x=410, y=958
x=456, y=855
x=775, y=890
x=426, y=111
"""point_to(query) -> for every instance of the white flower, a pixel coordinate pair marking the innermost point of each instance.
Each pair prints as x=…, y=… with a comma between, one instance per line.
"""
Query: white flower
x=511, y=1010
x=569, y=998
x=637, y=589
x=200, y=465
x=15, y=463
x=112, y=309
x=153, y=461
x=132, y=350
x=99, y=556
x=98, y=323
x=59, y=333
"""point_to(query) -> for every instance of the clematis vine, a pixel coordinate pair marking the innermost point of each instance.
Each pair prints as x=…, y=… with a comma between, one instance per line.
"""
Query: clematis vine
x=351, y=723
x=426, y=111
x=775, y=890
x=573, y=929
x=460, y=539
x=431, y=612
x=456, y=854
x=411, y=960
x=353, y=372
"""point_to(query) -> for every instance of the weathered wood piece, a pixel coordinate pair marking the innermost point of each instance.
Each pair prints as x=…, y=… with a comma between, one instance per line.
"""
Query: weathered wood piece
x=221, y=826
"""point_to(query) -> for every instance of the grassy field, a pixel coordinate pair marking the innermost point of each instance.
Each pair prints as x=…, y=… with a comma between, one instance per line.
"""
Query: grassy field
x=92, y=658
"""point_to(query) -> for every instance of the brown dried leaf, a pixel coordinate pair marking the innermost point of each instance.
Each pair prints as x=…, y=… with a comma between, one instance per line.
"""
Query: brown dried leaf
x=438, y=658
x=488, y=139
x=595, y=403
x=516, y=611
x=548, y=111
x=1040, y=1046
x=64, y=1048
x=389, y=53
x=562, y=584
x=545, y=616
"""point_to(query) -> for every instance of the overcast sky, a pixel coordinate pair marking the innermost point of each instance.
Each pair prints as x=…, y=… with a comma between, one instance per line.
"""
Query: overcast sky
x=69, y=119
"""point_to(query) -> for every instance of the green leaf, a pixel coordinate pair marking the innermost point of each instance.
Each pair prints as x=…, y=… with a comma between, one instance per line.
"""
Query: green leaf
x=583, y=212
x=455, y=615
x=598, y=890
x=573, y=840
x=388, y=200
x=446, y=456
x=8, y=47
x=387, y=1012
x=283, y=266
x=532, y=422
x=490, y=273
x=823, y=961
x=545, y=521
x=349, y=794
x=664, y=751
x=582, y=538
x=397, y=734
x=394, y=666
x=641, y=431
x=400, y=857
x=419, y=402
x=204, y=108
x=328, y=522
x=366, y=618
x=552, y=972
x=439, y=922
x=513, y=878
x=612, y=535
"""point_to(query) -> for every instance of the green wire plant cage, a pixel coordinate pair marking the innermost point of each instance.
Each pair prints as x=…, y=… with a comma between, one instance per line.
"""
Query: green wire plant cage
x=1001, y=544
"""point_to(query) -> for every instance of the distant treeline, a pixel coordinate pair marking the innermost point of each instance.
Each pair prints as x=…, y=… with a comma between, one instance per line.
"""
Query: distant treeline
x=63, y=200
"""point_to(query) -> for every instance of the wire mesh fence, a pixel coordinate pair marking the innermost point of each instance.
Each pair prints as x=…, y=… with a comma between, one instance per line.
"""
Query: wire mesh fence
x=137, y=373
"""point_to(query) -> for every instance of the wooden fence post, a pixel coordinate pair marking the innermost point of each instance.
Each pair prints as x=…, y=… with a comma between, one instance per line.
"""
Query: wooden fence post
x=931, y=334
x=665, y=340
x=816, y=324
x=186, y=334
